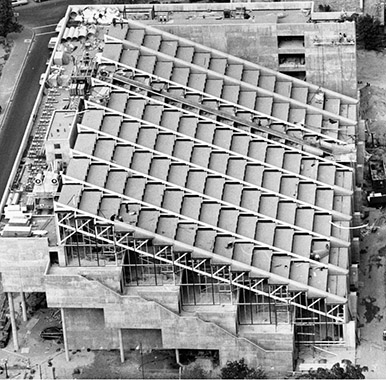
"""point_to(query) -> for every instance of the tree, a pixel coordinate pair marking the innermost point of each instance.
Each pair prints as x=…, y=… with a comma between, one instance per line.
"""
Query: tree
x=370, y=33
x=240, y=370
x=346, y=371
x=8, y=23
x=195, y=372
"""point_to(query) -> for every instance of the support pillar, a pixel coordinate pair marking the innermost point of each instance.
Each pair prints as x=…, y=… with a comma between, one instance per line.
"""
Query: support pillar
x=359, y=177
x=13, y=322
x=64, y=334
x=357, y=221
x=355, y=250
x=358, y=199
x=121, y=350
x=23, y=307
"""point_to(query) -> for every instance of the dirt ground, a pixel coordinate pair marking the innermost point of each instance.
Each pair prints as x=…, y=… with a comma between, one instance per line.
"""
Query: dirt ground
x=372, y=274
x=371, y=67
x=5, y=49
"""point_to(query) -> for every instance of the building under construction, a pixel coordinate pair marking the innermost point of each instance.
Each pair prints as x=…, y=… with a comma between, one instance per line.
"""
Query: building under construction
x=183, y=198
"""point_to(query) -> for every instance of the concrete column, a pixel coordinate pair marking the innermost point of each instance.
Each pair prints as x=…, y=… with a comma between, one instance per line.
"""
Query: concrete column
x=355, y=250
x=349, y=335
x=359, y=178
x=61, y=256
x=23, y=307
x=13, y=322
x=64, y=335
x=361, y=152
x=358, y=199
x=121, y=350
x=357, y=221
x=361, y=130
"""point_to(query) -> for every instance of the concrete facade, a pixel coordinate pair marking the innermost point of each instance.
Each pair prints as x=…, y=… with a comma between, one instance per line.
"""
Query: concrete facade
x=23, y=263
x=331, y=65
x=205, y=201
x=94, y=314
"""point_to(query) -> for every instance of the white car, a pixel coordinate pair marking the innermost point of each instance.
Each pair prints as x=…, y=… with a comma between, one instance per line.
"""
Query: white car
x=16, y=3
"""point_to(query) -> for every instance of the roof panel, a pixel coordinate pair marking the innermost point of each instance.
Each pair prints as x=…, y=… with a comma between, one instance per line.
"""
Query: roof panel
x=78, y=168
x=203, y=124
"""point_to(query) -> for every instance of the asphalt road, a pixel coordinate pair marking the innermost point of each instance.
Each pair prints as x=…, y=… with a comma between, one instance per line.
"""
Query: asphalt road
x=15, y=124
x=48, y=12
x=42, y=18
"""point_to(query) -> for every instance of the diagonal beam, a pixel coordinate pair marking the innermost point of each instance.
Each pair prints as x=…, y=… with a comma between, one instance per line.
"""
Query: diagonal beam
x=214, y=275
x=238, y=237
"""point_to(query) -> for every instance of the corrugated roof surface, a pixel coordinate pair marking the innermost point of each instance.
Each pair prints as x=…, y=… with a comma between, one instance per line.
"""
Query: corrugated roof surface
x=201, y=174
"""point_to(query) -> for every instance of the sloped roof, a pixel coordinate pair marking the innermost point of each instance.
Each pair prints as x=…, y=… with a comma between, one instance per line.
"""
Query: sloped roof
x=220, y=155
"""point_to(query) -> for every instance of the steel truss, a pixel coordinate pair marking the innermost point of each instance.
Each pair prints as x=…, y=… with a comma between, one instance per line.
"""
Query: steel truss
x=122, y=238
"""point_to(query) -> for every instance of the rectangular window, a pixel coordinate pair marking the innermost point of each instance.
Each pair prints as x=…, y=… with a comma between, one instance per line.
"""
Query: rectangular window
x=291, y=61
x=290, y=42
x=58, y=156
x=57, y=146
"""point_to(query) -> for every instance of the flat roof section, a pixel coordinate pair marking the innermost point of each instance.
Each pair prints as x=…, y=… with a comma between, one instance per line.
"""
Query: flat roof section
x=61, y=124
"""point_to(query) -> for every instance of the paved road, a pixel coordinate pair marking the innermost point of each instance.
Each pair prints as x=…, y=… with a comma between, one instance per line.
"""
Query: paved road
x=46, y=13
x=14, y=126
x=42, y=18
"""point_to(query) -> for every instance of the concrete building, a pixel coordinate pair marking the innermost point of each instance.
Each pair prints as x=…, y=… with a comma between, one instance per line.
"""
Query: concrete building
x=288, y=37
x=204, y=201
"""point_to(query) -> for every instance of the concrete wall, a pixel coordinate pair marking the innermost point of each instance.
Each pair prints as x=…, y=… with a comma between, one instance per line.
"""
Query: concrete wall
x=74, y=291
x=22, y=264
x=136, y=313
x=149, y=338
x=254, y=42
x=178, y=332
x=329, y=66
x=222, y=315
x=278, y=337
x=333, y=65
x=167, y=295
x=86, y=329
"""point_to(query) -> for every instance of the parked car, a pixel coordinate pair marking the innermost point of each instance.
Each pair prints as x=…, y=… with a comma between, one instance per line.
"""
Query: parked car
x=52, y=333
x=16, y=3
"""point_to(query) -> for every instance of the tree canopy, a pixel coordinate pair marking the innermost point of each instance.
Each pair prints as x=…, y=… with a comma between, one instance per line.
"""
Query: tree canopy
x=240, y=370
x=8, y=23
x=346, y=371
x=370, y=34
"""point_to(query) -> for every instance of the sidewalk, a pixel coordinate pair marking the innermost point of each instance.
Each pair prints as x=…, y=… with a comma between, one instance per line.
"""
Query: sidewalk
x=13, y=68
x=38, y=358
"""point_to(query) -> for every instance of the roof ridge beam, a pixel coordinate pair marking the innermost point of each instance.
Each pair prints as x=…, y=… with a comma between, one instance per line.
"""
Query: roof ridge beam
x=256, y=272
x=337, y=189
x=331, y=267
x=335, y=242
x=188, y=90
x=242, y=84
x=222, y=115
x=333, y=94
x=338, y=215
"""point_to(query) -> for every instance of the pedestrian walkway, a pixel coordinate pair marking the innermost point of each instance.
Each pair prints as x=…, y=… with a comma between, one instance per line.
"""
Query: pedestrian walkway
x=13, y=68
